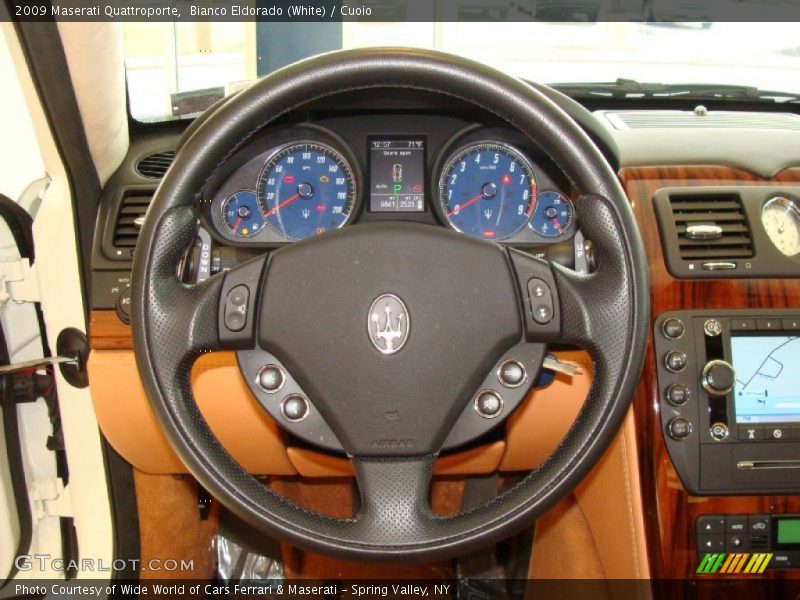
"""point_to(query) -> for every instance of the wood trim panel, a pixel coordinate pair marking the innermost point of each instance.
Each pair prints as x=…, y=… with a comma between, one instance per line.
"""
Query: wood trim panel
x=669, y=511
x=107, y=332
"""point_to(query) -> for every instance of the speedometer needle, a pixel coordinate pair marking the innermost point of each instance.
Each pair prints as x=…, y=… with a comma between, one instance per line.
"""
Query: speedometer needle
x=289, y=200
x=460, y=207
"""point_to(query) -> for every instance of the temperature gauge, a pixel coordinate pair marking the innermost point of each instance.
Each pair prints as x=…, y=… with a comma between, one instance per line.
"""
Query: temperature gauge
x=554, y=214
x=242, y=215
x=781, y=219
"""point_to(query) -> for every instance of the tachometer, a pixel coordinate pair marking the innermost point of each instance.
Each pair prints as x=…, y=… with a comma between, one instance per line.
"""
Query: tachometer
x=553, y=216
x=305, y=189
x=241, y=214
x=781, y=219
x=488, y=190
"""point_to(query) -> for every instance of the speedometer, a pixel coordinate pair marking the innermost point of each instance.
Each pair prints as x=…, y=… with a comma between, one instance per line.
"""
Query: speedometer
x=305, y=189
x=488, y=190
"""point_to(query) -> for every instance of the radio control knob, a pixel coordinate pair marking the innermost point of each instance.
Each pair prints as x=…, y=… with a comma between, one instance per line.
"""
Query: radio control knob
x=679, y=428
x=717, y=378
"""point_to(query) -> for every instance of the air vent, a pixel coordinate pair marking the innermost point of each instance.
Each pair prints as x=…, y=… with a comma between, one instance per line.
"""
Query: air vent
x=132, y=210
x=676, y=119
x=711, y=226
x=153, y=166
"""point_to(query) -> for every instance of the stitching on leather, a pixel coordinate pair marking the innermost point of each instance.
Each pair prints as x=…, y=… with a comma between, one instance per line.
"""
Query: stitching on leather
x=629, y=499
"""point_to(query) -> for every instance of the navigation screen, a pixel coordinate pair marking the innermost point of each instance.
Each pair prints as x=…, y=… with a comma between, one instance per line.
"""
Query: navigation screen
x=397, y=174
x=767, y=386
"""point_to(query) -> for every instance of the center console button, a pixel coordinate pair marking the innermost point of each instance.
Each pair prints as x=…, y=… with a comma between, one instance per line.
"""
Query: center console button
x=738, y=324
x=712, y=327
x=675, y=361
x=768, y=324
x=735, y=542
x=783, y=560
x=679, y=428
x=759, y=524
x=673, y=328
x=791, y=324
x=710, y=543
x=719, y=431
x=736, y=524
x=710, y=524
x=677, y=394
x=750, y=433
x=778, y=434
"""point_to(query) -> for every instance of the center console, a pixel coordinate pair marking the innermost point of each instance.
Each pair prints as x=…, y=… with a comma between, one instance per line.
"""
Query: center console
x=729, y=399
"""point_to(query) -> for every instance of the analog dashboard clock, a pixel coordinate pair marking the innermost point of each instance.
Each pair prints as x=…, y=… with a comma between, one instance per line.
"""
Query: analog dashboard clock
x=781, y=220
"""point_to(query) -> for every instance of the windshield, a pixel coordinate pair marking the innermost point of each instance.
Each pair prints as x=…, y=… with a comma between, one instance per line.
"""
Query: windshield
x=178, y=69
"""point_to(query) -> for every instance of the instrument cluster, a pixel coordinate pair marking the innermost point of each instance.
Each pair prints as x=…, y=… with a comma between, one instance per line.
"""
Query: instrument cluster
x=298, y=182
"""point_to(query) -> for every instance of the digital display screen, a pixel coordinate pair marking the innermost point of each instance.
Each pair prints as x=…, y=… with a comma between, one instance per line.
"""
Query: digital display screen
x=397, y=174
x=788, y=531
x=767, y=388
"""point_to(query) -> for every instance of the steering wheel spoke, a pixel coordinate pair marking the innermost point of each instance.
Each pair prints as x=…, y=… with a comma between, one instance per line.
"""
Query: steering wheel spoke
x=394, y=497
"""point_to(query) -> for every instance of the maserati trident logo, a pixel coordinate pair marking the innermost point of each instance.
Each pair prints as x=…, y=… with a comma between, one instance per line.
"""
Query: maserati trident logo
x=388, y=324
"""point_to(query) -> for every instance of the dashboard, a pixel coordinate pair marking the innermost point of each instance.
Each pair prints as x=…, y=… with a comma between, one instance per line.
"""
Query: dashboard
x=305, y=179
x=701, y=195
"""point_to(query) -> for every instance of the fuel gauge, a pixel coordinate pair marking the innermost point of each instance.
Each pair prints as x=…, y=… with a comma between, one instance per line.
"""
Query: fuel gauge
x=781, y=220
x=242, y=214
x=553, y=215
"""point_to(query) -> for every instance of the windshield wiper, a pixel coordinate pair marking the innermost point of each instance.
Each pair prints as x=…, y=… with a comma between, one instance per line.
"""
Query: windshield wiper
x=629, y=88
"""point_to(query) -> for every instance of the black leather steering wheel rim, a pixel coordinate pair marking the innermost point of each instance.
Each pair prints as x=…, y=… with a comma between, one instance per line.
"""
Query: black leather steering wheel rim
x=606, y=313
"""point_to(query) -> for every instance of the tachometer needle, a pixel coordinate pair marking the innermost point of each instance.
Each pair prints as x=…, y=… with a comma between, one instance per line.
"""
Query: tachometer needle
x=238, y=222
x=289, y=200
x=460, y=207
x=557, y=224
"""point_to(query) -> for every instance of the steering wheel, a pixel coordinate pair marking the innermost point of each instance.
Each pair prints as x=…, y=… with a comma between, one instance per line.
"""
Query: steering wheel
x=392, y=331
